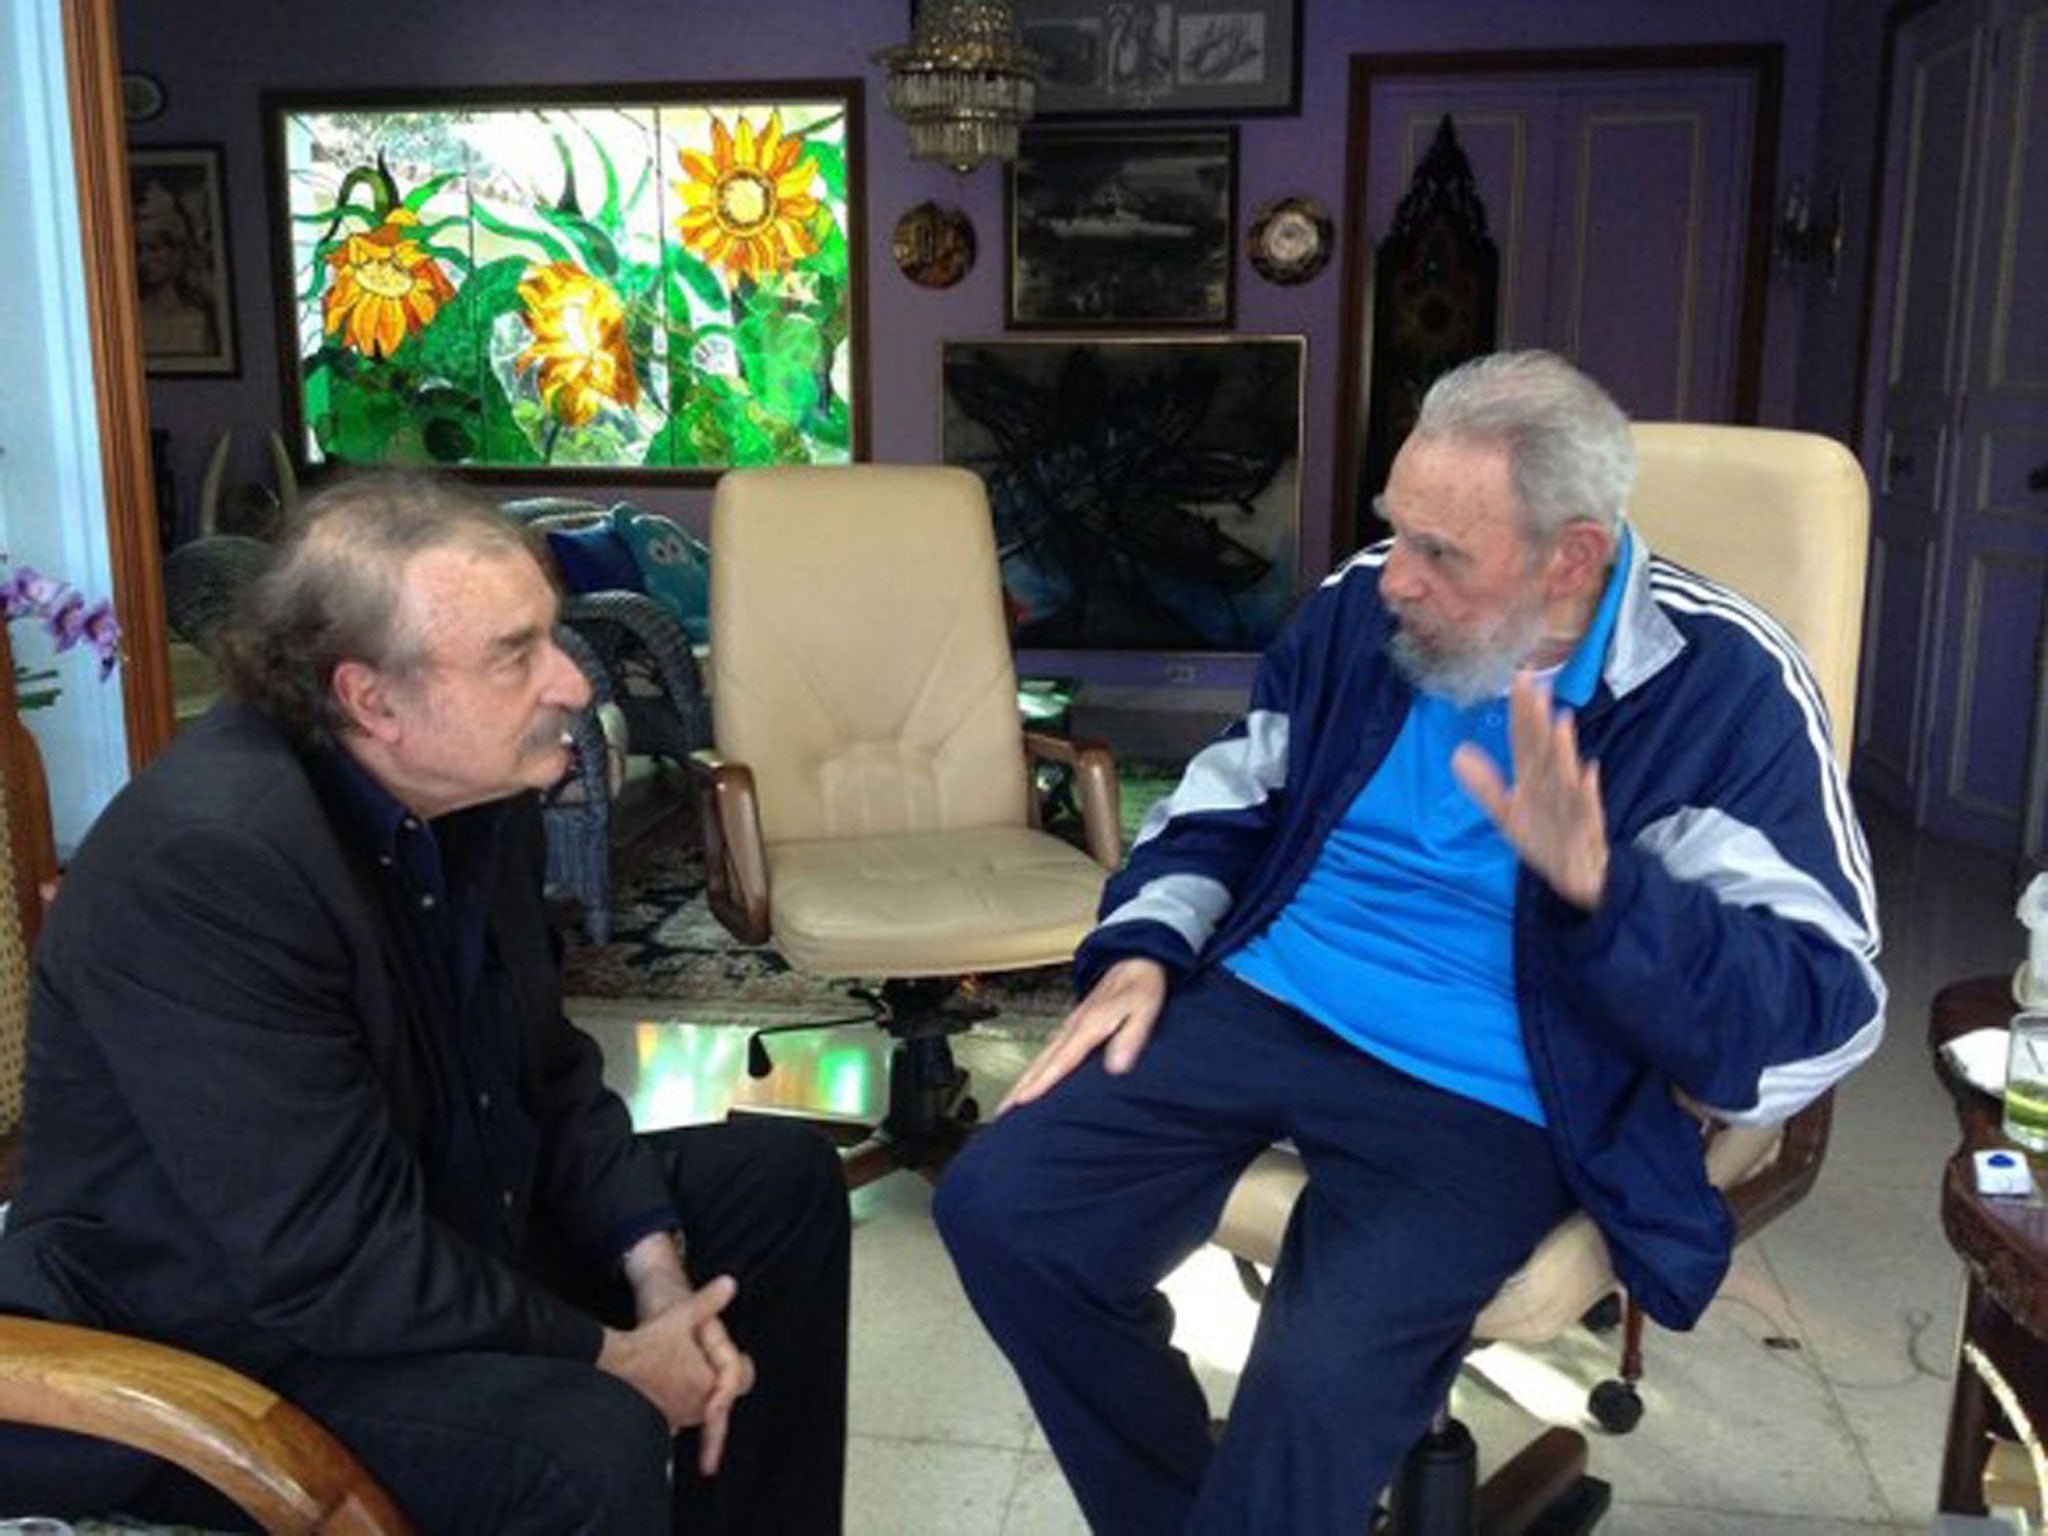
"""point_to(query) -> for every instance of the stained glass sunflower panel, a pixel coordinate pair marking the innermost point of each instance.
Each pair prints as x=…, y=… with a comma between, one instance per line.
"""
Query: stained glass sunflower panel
x=541, y=290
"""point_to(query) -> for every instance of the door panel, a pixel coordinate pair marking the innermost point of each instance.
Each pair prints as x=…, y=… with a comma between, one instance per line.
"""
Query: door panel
x=1934, y=139
x=1632, y=273
x=1901, y=587
x=1985, y=774
x=1619, y=201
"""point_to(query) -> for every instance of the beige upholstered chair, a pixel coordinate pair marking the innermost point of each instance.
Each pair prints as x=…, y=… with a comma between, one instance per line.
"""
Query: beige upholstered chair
x=271, y=1460
x=868, y=807
x=1782, y=517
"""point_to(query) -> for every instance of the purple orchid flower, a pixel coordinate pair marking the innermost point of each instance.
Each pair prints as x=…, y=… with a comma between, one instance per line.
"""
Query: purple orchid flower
x=27, y=593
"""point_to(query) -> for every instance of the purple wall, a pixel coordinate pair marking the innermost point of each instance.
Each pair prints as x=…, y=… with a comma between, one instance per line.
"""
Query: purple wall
x=214, y=60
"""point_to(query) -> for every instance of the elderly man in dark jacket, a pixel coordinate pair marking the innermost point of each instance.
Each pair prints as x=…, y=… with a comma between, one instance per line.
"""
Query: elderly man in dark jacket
x=301, y=1096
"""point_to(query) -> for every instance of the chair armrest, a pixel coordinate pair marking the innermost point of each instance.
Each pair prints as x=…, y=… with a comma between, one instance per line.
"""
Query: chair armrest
x=1095, y=781
x=735, y=859
x=236, y=1435
x=1784, y=1181
x=631, y=625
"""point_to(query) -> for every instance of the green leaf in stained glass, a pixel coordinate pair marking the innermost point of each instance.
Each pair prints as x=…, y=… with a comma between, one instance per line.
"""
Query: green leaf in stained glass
x=555, y=249
x=831, y=163
x=368, y=414
x=783, y=358
x=702, y=281
x=453, y=346
x=599, y=254
x=416, y=199
x=503, y=440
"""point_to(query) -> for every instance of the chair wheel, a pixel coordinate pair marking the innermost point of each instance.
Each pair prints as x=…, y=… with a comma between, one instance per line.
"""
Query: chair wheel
x=1616, y=1406
x=967, y=1111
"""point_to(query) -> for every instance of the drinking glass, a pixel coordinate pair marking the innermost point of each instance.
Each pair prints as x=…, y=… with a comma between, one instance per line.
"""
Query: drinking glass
x=2026, y=1081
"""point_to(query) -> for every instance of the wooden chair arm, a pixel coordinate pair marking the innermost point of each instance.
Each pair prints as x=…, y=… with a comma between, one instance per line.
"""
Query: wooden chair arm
x=1096, y=789
x=735, y=859
x=281, y=1468
x=1769, y=1192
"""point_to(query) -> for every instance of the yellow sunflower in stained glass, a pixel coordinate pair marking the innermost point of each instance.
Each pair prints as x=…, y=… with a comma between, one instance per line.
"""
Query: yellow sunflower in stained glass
x=579, y=342
x=385, y=287
x=747, y=206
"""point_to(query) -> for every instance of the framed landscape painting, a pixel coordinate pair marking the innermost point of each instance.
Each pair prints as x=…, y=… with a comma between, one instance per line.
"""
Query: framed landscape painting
x=1108, y=58
x=1146, y=491
x=530, y=285
x=1128, y=227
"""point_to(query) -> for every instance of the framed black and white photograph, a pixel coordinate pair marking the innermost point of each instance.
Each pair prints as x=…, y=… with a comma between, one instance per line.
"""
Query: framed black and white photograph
x=181, y=259
x=1123, y=227
x=1102, y=58
x=1146, y=491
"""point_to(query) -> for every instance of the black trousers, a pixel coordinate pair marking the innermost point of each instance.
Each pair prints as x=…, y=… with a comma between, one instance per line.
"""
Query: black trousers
x=517, y=1444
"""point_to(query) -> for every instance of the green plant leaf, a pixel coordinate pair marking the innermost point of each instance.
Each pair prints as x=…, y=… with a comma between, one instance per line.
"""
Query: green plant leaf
x=455, y=345
x=416, y=199
x=367, y=415
x=503, y=440
x=567, y=202
x=600, y=255
x=702, y=281
x=340, y=211
x=831, y=163
x=556, y=251
x=783, y=358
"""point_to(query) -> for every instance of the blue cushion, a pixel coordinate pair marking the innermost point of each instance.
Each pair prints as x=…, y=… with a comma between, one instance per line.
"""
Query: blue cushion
x=594, y=559
x=675, y=566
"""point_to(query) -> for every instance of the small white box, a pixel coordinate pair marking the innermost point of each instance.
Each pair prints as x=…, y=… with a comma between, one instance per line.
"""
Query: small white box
x=2004, y=1174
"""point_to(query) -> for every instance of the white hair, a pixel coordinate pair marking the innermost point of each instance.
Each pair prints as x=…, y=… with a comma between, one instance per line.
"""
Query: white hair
x=1570, y=453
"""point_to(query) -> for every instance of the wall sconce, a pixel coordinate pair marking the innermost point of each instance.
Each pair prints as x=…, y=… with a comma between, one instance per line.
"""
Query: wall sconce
x=1809, y=238
x=964, y=83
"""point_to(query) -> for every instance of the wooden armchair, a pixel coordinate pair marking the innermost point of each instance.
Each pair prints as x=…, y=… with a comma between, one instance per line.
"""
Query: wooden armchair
x=282, y=1469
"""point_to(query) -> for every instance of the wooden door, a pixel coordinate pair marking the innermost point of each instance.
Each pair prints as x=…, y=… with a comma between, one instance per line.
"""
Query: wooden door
x=1950, y=721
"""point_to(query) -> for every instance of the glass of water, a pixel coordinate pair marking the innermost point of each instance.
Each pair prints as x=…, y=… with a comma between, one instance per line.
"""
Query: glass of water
x=2026, y=1081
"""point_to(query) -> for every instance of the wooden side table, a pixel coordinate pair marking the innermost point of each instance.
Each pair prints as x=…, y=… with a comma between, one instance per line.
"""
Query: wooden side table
x=2004, y=1246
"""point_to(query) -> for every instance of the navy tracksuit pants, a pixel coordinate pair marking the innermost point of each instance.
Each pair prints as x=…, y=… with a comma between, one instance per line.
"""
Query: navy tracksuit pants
x=1063, y=1216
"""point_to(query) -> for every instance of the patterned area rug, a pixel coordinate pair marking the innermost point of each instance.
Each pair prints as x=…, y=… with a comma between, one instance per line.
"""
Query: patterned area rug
x=666, y=945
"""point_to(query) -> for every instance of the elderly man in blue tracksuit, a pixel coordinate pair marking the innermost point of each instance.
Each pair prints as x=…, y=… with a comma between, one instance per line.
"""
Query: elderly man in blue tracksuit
x=1524, y=829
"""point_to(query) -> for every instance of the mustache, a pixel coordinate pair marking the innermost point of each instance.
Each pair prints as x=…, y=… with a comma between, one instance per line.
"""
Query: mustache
x=550, y=729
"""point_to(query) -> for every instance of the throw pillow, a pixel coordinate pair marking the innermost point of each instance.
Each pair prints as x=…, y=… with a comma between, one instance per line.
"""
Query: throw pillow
x=594, y=559
x=675, y=566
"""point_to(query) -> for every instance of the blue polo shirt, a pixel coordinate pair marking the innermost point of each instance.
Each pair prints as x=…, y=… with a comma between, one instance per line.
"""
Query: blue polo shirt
x=1401, y=937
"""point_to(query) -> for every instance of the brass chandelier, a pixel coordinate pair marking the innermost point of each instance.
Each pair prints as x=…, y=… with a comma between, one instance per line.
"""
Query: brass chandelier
x=964, y=83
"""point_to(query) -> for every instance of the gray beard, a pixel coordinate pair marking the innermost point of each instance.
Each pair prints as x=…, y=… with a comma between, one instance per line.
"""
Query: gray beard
x=1475, y=673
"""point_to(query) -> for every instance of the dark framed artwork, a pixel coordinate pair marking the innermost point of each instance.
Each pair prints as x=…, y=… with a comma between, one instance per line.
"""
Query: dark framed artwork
x=1233, y=58
x=1127, y=227
x=534, y=284
x=1146, y=490
x=183, y=282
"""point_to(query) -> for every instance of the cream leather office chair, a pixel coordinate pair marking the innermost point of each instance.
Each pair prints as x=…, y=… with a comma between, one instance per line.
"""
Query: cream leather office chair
x=1783, y=518
x=868, y=809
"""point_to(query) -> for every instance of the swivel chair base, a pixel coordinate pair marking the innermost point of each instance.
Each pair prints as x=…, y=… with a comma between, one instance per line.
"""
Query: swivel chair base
x=930, y=1111
x=1543, y=1491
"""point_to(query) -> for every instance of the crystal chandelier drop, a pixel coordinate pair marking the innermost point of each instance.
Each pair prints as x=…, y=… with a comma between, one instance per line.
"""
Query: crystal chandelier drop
x=964, y=83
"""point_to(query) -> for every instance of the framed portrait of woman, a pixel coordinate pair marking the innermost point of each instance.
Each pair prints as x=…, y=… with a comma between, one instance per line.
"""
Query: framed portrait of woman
x=185, y=294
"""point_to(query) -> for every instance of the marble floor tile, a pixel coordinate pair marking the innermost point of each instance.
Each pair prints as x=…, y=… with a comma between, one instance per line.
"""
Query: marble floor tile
x=922, y=1488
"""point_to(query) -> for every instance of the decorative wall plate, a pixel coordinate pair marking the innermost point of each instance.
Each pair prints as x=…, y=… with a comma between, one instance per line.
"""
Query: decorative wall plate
x=1290, y=239
x=934, y=245
x=142, y=97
